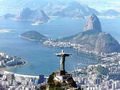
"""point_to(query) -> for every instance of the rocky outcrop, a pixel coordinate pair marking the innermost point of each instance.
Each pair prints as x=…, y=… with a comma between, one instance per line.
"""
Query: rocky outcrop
x=93, y=39
x=106, y=43
x=93, y=24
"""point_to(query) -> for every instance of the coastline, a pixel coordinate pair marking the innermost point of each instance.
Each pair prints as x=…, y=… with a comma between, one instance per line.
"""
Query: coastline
x=10, y=62
x=78, y=47
x=13, y=67
x=104, y=57
x=113, y=58
x=20, y=75
x=23, y=37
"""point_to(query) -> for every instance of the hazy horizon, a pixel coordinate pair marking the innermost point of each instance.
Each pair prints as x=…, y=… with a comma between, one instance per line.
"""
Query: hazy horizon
x=13, y=6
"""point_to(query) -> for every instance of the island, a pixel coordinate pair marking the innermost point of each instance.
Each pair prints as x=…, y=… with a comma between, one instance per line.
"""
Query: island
x=9, y=16
x=34, y=36
x=33, y=16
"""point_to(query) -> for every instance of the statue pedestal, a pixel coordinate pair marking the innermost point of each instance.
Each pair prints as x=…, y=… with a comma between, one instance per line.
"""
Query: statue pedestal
x=62, y=72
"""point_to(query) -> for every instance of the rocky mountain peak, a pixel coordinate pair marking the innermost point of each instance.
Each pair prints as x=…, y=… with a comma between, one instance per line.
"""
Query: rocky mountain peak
x=93, y=24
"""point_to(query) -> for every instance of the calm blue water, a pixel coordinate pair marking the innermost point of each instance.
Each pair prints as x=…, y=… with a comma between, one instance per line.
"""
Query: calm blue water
x=41, y=59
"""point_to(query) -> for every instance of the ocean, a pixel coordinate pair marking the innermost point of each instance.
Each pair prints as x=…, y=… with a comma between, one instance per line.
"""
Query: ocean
x=41, y=59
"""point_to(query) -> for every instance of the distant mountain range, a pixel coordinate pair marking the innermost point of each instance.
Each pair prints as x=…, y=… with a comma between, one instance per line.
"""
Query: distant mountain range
x=110, y=12
x=73, y=9
x=42, y=12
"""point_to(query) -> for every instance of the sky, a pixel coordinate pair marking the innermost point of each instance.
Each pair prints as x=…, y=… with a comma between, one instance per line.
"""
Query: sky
x=14, y=5
x=102, y=4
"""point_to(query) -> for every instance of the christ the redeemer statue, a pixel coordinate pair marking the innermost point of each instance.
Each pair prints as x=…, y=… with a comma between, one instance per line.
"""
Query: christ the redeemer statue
x=62, y=61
